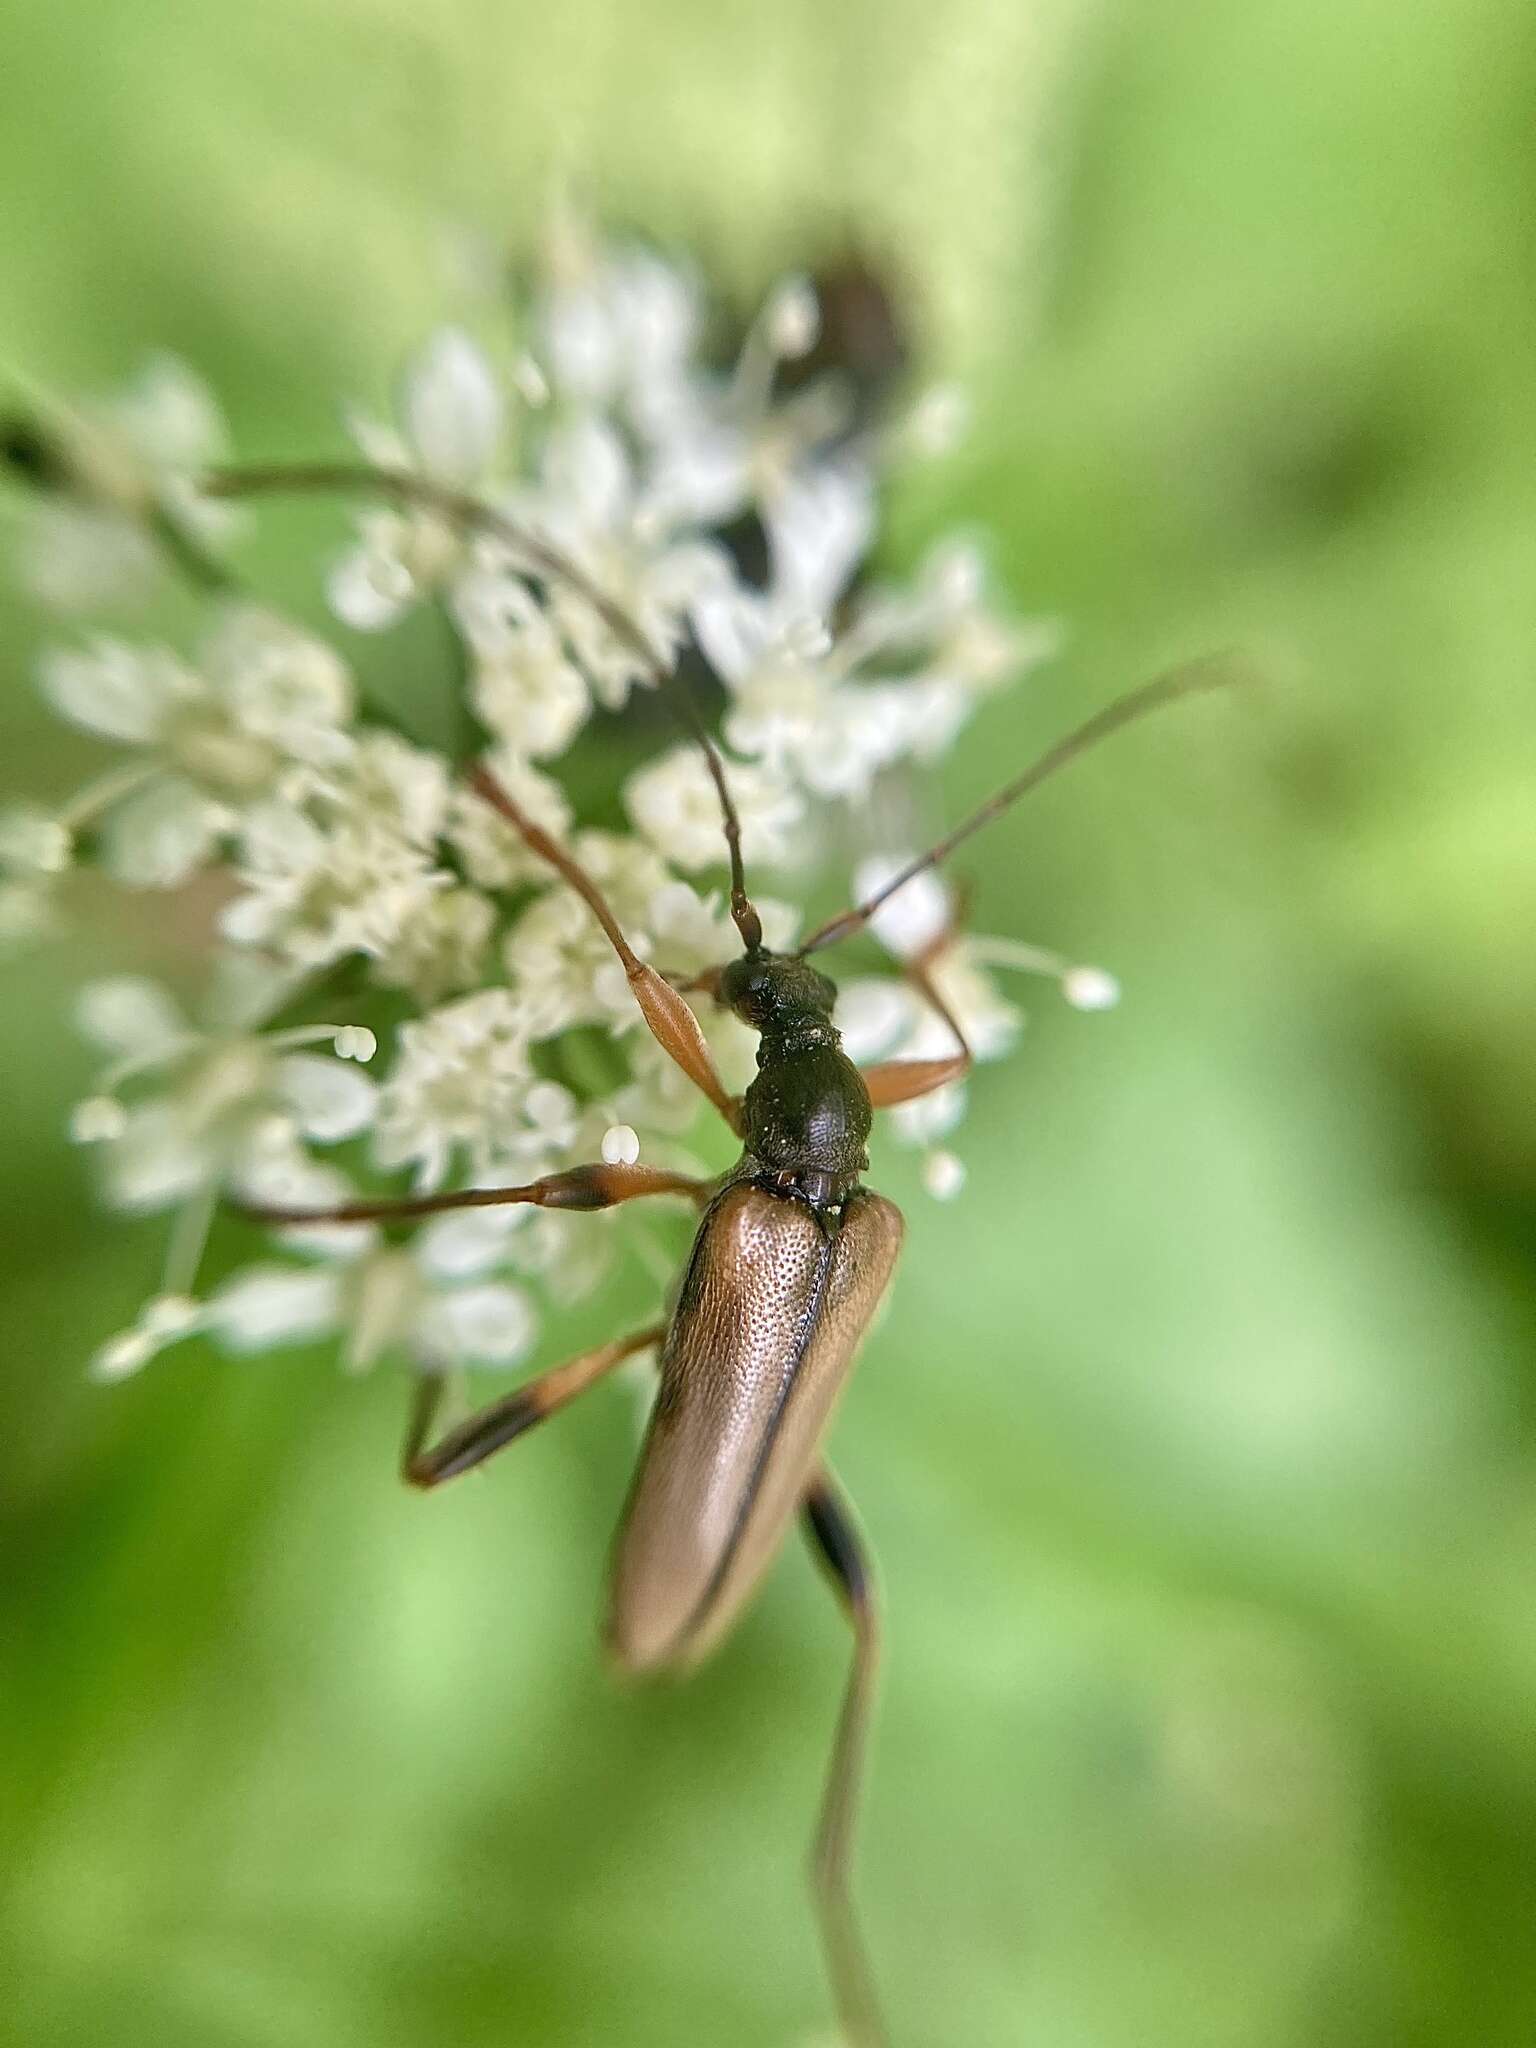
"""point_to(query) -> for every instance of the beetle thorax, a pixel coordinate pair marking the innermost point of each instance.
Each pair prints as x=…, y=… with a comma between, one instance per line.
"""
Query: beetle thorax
x=807, y=1115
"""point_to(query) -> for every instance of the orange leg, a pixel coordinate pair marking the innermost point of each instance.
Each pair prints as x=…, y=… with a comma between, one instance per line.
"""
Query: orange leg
x=672, y=1024
x=482, y=1435
x=580, y=1187
x=894, y=1081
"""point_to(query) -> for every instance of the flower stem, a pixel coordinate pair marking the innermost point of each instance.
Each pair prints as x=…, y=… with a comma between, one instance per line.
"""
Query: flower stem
x=189, y=1240
x=205, y=572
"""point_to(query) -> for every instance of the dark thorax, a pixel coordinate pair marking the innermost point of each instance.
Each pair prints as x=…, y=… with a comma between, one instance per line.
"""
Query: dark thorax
x=806, y=1118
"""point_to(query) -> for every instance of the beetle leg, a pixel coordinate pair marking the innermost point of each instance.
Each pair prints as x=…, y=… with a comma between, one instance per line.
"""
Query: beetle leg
x=670, y=1021
x=579, y=1187
x=485, y=1433
x=831, y=1528
x=894, y=1081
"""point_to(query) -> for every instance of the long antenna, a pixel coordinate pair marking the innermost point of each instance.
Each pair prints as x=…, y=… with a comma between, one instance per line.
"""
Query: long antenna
x=1211, y=672
x=361, y=479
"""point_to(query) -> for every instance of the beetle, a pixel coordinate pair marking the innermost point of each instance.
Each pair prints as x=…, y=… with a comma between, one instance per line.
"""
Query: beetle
x=791, y=1258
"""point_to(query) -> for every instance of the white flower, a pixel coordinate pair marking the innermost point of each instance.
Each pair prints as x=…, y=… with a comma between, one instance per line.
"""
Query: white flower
x=673, y=801
x=932, y=1116
x=263, y=1306
x=394, y=562
x=33, y=842
x=359, y=860
x=164, y=1320
x=895, y=1020
x=915, y=916
x=132, y=1018
x=453, y=417
x=217, y=734
x=792, y=317
x=97, y=1118
x=327, y=1099
x=434, y=1300
x=119, y=692
x=819, y=530
x=873, y=1015
x=165, y=833
x=278, y=684
x=943, y=1175
x=616, y=327
x=170, y=419
x=452, y=409
x=719, y=446
x=568, y=1255
x=343, y=861
x=126, y=458
x=794, y=705
x=691, y=932
x=36, y=847
x=221, y=1096
x=790, y=707
x=524, y=688
x=440, y=947
x=77, y=557
x=277, y=1171
x=587, y=505
x=1090, y=988
x=818, y=533
x=493, y=852
x=384, y=1301
x=989, y=1022
x=559, y=962
x=937, y=422
x=459, y=1090
x=468, y=1241
x=900, y=681
x=27, y=913
x=489, y=1324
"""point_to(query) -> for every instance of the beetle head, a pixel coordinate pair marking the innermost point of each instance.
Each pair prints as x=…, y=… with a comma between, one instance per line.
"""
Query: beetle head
x=769, y=991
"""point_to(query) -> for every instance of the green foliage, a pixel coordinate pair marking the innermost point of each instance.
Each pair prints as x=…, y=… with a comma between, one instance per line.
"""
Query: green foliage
x=1199, y=1451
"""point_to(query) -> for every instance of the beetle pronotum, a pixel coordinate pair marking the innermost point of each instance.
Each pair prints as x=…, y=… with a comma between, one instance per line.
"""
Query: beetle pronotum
x=791, y=1258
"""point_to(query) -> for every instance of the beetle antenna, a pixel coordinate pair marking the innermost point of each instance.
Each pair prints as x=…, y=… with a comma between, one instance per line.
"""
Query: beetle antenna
x=1213, y=672
x=743, y=911
x=354, y=479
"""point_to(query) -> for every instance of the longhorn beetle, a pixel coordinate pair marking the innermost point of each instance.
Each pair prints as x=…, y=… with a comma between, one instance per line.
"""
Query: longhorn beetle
x=791, y=1258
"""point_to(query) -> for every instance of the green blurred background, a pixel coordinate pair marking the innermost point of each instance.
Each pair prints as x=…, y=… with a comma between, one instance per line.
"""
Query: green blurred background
x=1200, y=1453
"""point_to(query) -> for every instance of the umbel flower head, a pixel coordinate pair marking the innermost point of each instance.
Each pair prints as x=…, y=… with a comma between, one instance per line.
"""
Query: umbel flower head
x=597, y=509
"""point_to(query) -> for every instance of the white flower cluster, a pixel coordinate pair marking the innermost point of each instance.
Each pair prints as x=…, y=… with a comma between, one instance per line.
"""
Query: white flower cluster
x=354, y=866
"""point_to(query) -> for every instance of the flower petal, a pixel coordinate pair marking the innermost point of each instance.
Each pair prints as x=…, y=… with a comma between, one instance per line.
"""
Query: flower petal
x=265, y=1306
x=468, y=1241
x=157, y=839
x=130, y=1016
x=368, y=588
x=915, y=916
x=491, y=1324
x=170, y=417
x=330, y=1098
x=874, y=1014
x=452, y=408
x=156, y=1162
x=282, y=685
x=120, y=692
